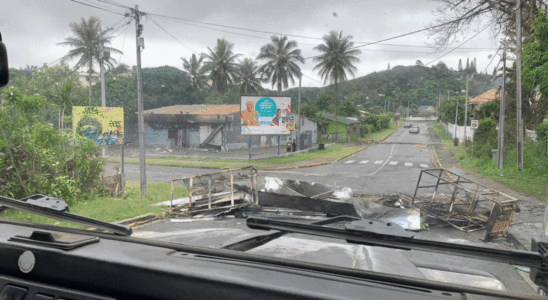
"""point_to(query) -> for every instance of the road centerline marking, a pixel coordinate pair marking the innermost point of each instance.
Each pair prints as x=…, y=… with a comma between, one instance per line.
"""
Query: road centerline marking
x=349, y=161
x=393, y=163
x=364, y=161
x=408, y=164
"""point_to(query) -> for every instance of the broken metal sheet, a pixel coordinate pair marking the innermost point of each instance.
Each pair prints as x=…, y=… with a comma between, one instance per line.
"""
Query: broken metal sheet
x=329, y=207
x=409, y=219
x=304, y=189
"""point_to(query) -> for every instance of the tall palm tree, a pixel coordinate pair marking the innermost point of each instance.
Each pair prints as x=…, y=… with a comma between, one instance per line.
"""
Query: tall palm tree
x=248, y=76
x=221, y=65
x=87, y=41
x=282, y=56
x=196, y=71
x=336, y=60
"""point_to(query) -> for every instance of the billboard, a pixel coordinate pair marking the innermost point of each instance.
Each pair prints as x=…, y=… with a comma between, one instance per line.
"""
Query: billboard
x=104, y=125
x=264, y=115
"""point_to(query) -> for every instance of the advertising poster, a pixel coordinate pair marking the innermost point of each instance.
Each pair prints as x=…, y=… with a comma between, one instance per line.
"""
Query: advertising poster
x=104, y=125
x=263, y=115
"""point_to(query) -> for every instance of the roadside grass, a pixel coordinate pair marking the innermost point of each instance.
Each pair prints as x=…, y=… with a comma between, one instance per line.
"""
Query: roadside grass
x=377, y=136
x=330, y=154
x=109, y=209
x=446, y=138
x=531, y=181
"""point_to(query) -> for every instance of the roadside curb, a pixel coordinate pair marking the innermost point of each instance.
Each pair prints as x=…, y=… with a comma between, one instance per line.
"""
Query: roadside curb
x=147, y=217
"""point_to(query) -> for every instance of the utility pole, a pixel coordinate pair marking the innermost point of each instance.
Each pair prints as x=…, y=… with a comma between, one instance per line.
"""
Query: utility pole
x=408, y=109
x=468, y=79
x=500, y=152
x=455, y=136
x=439, y=103
x=518, y=83
x=103, y=97
x=140, y=43
x=299, y=114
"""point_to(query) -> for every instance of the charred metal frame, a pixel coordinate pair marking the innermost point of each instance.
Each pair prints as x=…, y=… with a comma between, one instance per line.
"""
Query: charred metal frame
x=217, y=176
x=462, y=212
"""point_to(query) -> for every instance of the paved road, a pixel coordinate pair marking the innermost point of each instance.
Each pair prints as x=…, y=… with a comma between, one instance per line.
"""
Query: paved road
x=391, y=167
x=381, y=169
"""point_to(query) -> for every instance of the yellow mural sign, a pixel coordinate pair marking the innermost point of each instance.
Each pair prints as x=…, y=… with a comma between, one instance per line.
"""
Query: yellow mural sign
x=104, y=125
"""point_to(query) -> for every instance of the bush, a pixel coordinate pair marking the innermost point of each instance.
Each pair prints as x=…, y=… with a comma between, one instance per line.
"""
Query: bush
x=36, y=158
x=542, y=136
x=485, y=138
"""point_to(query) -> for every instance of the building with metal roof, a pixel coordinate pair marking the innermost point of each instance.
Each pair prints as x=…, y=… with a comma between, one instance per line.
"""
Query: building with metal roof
x=207, y=126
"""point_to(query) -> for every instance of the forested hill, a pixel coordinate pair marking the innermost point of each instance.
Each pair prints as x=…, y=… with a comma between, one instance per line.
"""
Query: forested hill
x=419, y=84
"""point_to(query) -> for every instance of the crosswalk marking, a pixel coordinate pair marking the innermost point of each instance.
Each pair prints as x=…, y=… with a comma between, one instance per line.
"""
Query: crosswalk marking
x=379, y=162
x=393, y=163
x=364, y=161
x=424, y=166
x=349, y=161
x=408, y=164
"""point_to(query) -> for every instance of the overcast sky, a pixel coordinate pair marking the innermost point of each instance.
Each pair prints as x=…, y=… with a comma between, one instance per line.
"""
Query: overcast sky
x=31, y=30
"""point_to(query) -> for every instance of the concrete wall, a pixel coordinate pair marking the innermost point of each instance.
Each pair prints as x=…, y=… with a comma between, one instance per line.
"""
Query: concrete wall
x=450, y=129
x=420, y=119
x=157, y=137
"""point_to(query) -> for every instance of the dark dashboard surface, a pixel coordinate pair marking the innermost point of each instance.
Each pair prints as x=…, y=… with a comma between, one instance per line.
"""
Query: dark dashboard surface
x=120, y=268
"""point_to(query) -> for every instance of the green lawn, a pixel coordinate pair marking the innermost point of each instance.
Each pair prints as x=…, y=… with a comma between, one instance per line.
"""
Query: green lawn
x=110, y=209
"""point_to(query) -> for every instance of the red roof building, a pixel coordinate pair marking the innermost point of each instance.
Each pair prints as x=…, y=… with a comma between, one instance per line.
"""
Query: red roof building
x=489, y=96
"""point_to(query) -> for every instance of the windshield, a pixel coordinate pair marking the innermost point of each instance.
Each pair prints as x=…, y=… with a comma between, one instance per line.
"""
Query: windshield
x=181, y=122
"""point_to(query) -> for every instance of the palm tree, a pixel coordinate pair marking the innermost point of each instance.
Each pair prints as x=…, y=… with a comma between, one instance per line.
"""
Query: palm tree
x=221, y=66
x=336, y=59
x=281, y=66
x=248, y=78
x=196, y=71
x=65, y=93
x=87, y=41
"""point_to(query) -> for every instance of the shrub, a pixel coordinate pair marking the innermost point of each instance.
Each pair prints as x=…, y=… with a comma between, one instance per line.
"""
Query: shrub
x=485, y=138
x=542, y=136
x=36, y=158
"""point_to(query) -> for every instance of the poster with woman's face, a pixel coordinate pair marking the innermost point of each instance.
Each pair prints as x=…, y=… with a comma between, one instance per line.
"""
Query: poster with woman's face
x=263, y=115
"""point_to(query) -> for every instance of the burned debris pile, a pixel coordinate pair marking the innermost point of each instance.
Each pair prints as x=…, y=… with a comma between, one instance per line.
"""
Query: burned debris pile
x=242, y=193
x=464, y=204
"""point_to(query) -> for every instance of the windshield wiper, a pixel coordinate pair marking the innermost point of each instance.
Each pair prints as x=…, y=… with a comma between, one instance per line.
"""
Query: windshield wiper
x=377, y=233
x=65, y=216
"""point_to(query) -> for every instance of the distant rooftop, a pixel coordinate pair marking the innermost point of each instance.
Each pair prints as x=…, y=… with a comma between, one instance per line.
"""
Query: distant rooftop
x=201, y=109
x=344, y=120
x=489, y=96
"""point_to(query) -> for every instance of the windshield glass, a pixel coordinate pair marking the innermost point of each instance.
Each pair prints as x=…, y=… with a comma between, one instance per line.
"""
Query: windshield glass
x=183, y=121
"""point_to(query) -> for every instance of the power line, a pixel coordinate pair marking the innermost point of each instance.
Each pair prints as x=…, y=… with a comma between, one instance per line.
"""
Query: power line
x=123, y=44
x=110, y=11
x=312, y=78
x=173, y=36
x=114, y=3
x=460, y=44
x=291, y=35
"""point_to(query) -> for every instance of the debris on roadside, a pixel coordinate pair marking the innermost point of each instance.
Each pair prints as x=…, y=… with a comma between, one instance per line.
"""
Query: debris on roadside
x=464, y=204
x=214, y=194
x=305, y=196
x=241, y=193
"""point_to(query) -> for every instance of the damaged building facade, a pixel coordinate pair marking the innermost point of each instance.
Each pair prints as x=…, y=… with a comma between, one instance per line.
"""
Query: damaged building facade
x=210, y=127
